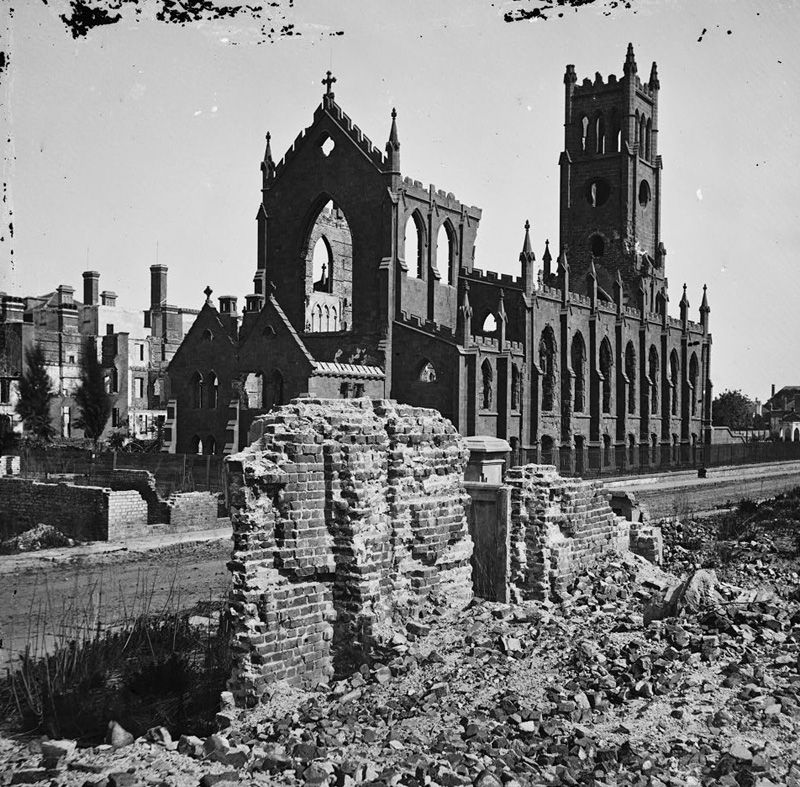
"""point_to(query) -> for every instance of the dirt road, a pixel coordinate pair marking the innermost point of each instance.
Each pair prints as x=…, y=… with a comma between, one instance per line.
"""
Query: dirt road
x=56, y=594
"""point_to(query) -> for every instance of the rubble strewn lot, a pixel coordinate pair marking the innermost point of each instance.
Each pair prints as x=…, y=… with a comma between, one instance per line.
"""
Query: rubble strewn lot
x=631, y=678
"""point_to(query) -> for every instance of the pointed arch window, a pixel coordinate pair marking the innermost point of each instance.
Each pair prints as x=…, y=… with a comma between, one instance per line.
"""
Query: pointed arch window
x=427, y=373
x=489, y=324
x=674, y=374
x=197, y=390
x=547, y=360
x=648, y=139
x=600, y=134
x=487, y=377
x=209, y=445
x=606, y=369
x=516, y=387
x=446, y=253
x=652, y=372
x=584, y=127
x=322, y=265
x=630, y=373
x=642, y=133
x=578, y=359
x=196, y=445
x=693, y=376
x=414, y=246
x=212, y=388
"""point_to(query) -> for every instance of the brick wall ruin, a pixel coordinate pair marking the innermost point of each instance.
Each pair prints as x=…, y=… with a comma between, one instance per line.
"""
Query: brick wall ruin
x=348, y=516
x=86, y=513
x=117, y=506
x=559, y=526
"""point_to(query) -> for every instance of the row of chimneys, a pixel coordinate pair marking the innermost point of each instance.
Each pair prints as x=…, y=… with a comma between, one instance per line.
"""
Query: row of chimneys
x=13, y=307
x=91, y=287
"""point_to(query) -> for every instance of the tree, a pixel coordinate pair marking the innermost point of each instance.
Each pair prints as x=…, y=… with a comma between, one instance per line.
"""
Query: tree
x=35, y=392
x=94, y=404
x=732, y=409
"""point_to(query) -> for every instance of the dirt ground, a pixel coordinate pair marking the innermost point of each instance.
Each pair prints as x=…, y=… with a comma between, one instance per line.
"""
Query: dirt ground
x=50, y=595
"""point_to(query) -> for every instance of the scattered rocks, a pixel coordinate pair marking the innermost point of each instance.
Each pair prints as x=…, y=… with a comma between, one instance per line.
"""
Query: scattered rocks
x=118, y=737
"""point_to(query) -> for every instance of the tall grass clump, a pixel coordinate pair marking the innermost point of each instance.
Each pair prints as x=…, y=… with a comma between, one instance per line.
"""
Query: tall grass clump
x=153, y=665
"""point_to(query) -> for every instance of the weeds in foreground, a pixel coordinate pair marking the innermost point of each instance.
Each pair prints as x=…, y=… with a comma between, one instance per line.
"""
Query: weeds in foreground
x=150, y=667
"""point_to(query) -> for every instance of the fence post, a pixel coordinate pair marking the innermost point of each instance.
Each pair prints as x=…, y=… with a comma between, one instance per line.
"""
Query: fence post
x=208, y=472
x=113, y=460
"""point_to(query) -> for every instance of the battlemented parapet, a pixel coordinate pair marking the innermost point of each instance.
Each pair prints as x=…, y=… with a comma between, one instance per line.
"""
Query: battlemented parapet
x=348, y=516
x=559, y=527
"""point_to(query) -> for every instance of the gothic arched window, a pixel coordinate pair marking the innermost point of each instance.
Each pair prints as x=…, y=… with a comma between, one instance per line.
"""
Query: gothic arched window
x=630, y=373
x=446, y=253
x=606, y=369
x=584, y=126
x=516, y=387
x=600, y=135
x=547, y=360
x=415, y=246
x=652, y=372
x=427, y=373
x=578, y=358
x=674, y=380
x=693, y=375
x=212, y=386
x=487, y=376
x=197, y=390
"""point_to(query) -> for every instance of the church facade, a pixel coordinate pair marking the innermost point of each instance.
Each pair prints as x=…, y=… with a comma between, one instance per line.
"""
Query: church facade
x=366, y=284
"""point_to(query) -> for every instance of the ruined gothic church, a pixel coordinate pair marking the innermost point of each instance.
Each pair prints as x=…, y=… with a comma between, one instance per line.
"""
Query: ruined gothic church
x=366, y=285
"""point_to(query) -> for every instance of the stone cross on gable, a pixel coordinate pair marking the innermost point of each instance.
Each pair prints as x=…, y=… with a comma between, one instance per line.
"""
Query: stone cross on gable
x=328, y=81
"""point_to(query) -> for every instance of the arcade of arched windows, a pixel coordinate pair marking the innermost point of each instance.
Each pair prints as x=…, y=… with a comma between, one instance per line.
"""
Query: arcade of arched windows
x=603, y=134
x=415, y=249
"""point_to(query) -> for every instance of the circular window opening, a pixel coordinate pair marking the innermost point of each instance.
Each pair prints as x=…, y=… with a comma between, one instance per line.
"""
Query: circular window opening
x=327, y=145
x=644, y=193
x=597, y=192
x=598, y=245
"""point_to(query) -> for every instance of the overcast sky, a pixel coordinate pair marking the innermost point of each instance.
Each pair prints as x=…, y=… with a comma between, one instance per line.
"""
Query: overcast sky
x=143, y=138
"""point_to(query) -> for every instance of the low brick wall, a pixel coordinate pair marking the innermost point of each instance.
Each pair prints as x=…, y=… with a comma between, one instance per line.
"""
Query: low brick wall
x=190, y=511
x=87, y=513
x=559, y=527
x=348, y=515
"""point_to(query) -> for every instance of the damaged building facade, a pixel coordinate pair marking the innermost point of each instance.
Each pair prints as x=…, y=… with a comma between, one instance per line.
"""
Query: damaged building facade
x=133, y=347
x=366, y=285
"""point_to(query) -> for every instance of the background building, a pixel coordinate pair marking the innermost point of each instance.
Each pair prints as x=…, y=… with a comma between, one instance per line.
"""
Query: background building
x=134, y=349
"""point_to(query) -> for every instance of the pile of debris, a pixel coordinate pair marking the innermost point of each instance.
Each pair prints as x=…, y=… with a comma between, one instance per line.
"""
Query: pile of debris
x=39, y=537
x=632, y=678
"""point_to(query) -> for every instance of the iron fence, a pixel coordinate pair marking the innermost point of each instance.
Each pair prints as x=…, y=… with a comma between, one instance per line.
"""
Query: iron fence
x=593, y=461
x=172, y=472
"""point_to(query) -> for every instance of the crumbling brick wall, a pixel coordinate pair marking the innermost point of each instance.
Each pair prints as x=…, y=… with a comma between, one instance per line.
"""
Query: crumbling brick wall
x=559, y=526
x=348, y=516
x=87, y=513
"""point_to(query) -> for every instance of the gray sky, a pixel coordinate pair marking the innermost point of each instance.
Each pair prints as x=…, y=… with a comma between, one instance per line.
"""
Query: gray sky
x=143, y=133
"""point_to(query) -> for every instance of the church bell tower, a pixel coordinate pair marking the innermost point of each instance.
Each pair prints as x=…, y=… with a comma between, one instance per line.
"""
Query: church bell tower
x=611, y=179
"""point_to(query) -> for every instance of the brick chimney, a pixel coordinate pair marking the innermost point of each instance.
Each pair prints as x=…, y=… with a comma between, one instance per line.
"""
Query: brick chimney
x=67, y=310
x=158, y=286
x=227, y=304
x=108, y=298
x=91, y=287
